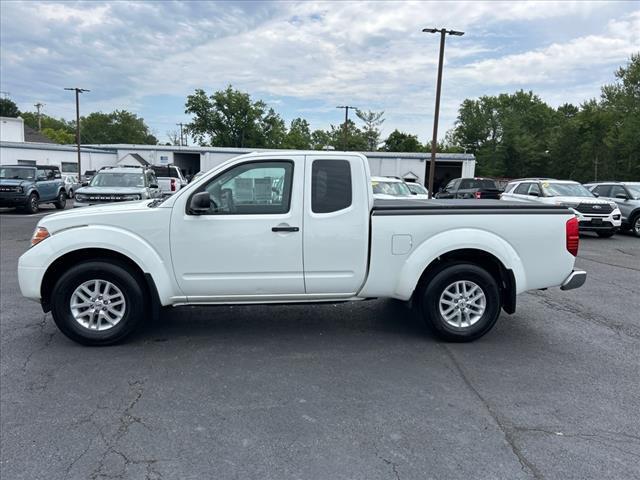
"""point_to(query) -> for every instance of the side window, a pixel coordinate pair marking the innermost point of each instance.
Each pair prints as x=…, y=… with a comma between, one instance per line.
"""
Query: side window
x=252, y=188
x=534, y=190
x=450, y=185
x=510, y=187
x=522, y=189
x=603, y=190
x=465, y=184
x=616, y=190
x=41, y=174
x=330, y=185
x=151, y=179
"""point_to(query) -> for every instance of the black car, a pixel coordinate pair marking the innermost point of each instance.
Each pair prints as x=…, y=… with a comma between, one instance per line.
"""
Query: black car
x=478, y=188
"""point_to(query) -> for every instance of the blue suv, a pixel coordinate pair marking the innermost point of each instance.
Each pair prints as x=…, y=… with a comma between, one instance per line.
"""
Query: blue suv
x=28, y=187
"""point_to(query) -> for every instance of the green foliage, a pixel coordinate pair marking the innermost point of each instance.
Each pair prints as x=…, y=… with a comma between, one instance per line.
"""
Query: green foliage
x=299, y=135
x=372, y=122
x=398, y=141
x=8, y=108
x=519, y=135
x=56, y=129
x=118, y=126
x=60, y=135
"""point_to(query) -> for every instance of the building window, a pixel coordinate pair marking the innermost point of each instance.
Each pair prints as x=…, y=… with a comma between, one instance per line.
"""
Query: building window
x=331, y=186
x=30, y=163
x=69, y=167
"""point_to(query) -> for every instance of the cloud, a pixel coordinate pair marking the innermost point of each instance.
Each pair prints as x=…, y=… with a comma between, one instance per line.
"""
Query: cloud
x=307, y=57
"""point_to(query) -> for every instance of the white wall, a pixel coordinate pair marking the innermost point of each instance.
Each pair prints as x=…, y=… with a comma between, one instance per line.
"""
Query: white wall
x=43, y=156
x=11, y=129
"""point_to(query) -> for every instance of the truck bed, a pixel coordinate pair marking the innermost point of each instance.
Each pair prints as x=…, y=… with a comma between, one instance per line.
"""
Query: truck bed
x=453, y=207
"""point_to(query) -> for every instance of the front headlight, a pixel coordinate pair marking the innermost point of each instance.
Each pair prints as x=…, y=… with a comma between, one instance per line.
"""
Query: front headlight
x=131, y=197
x=80, y=197
x=19, y=189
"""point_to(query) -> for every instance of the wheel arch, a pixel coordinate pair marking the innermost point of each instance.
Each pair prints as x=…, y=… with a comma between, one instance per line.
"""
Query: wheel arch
x=66, y=261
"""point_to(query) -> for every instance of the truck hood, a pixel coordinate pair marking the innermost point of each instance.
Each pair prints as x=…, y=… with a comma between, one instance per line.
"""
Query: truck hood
x=578, y=200
x=107, y=214
x=12, y=182
x=110, y=190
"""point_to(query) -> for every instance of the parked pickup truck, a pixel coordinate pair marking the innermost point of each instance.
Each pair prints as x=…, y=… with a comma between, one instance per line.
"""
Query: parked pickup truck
x=294, y=227
x=170, y=178
x=478, y=188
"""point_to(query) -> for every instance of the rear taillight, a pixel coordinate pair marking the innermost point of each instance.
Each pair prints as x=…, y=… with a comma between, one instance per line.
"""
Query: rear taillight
x=478, y=195
x=173, y=184
x=573, y=236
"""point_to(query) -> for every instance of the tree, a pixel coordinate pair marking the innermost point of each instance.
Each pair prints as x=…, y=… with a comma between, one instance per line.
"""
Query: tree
x=398, y=141
x=59, y=135
x=230, y=118
x=321, y=139
x=174, y=137
x=299, y=135
x=8, y=108
x=118, y=126
x=372, y=122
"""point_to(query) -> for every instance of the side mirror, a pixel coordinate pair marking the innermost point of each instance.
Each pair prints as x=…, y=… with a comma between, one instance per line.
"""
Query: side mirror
x=85, y=184
x=534, y=194
x=622, y=196
x=153, y=185
x=414, y=193
x=200, y=203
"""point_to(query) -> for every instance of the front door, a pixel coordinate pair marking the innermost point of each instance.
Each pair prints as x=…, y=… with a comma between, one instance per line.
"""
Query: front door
x=249, y=245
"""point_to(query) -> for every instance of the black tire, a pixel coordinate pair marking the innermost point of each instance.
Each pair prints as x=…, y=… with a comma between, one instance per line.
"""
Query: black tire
x=32, y=203
x=71, y=193
x=117, y=274
x=635, y=225
x=607, y=234
x=435, y=286
x=62, y=200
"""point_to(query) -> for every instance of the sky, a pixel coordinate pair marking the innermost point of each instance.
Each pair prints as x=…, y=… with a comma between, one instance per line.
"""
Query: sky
x=305, y=58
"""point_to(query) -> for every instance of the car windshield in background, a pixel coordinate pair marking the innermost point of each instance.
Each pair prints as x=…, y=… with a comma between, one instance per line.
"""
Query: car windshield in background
x=18, y=173
x=417, y=188
x=165, y=172
x=113, y=179
x=634, y=190
x=565, y=190
x=397, y=189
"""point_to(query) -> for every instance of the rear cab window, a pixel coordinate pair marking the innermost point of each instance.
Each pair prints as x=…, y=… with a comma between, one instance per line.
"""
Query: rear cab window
x=331, y=186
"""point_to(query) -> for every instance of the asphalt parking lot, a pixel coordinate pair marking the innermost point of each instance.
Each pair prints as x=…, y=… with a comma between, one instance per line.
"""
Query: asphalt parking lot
x=349, y=391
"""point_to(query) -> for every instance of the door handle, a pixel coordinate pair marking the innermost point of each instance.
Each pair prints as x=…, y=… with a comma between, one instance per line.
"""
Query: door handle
x=285, y=229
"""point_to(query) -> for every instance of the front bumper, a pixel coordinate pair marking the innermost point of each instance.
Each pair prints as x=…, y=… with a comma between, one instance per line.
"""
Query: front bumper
x=575, y=280
x=599, y=223
x=16, y=200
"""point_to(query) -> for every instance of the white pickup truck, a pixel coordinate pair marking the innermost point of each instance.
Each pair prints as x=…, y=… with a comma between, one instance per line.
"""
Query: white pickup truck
x=286, y=227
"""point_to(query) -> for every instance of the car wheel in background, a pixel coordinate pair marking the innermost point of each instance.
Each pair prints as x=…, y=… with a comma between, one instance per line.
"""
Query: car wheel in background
x=71, y=193
x=607, y=234
x=62, y=200
x=32, y=203
x=635, y=225
x=460, y=302
x=98, y=302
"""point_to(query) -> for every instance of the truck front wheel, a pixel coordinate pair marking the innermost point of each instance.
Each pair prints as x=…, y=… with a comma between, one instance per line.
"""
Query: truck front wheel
x=461, y=302
x=97, y=303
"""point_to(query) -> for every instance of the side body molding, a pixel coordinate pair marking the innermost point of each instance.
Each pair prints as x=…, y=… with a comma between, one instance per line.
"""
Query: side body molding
x=457, y=239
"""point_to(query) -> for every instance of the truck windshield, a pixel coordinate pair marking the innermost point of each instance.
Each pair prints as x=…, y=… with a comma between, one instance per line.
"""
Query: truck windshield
x=18, y=173
x=565, y=190
x=397, y=189
x=634, y=190
x=114, y=179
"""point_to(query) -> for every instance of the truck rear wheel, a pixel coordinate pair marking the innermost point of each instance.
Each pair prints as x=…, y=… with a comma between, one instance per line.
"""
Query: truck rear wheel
x=461, y=302
x=97, y=303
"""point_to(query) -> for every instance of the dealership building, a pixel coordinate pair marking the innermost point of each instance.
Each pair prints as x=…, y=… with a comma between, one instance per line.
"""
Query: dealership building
x=17, y=146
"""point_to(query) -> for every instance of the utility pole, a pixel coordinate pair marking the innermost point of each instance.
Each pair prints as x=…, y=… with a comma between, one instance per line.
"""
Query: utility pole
x=432, y=165
x=346, y=120
x=78, y=92
x=38, y=107
x=181, y=125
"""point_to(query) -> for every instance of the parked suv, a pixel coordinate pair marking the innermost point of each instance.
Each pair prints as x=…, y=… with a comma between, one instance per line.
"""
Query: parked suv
x=595, y=215
x=28, y=187
x=478, y=188
x=118, y=184
x=627, y=196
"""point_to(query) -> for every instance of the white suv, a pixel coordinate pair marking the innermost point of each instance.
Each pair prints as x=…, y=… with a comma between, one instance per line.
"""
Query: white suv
x=595, y=215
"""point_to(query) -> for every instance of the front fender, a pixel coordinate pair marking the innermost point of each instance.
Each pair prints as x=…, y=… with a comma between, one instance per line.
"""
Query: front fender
x=458, y=239
x=124, y=242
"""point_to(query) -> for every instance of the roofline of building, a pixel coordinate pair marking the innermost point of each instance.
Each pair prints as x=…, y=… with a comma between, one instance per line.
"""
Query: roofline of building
x=240, y=151
x=53, y=146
